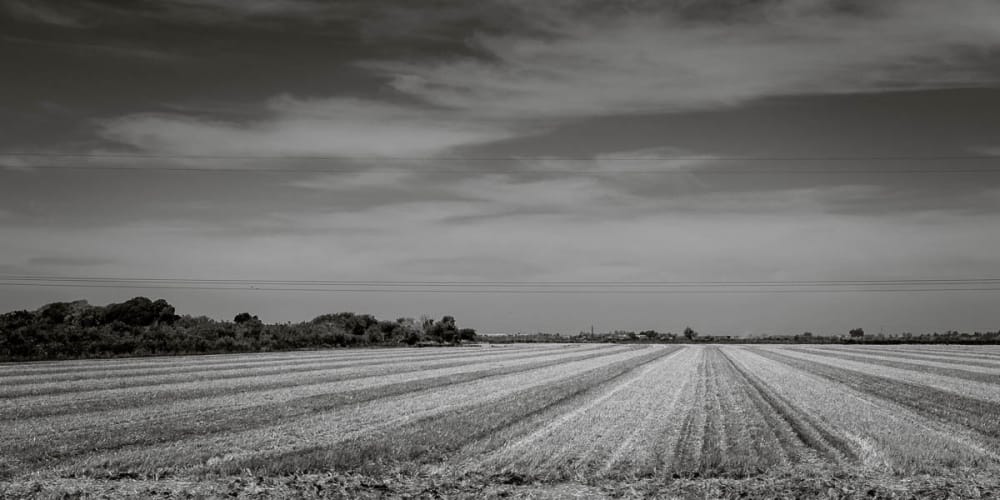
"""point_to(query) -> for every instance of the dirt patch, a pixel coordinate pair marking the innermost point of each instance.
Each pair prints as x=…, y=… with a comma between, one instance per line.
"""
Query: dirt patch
x=787, y=484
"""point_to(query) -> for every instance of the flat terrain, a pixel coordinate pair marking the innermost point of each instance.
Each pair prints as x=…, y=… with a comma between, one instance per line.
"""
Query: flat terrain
x=530, y=420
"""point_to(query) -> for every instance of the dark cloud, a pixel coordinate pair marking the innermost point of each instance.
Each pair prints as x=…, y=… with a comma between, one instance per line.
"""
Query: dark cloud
x=486, y=140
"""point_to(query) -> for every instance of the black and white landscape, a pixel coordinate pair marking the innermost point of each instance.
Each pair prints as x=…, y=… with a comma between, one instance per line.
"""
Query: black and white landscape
x=219, y=181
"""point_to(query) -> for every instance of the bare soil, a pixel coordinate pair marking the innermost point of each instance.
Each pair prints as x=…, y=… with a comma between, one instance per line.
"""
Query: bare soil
x=786, y=484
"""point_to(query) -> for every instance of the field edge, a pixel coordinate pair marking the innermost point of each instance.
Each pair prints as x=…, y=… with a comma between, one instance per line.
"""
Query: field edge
x=794, y=482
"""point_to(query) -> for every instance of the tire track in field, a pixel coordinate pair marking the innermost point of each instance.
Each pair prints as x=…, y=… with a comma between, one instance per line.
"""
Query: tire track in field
x=148, y=430
x=976, y=352
x=78, y=381
x=614, y=407
x=343, y=426
x=549, y=428
x=631, y=457
x=713, y=440
x=432, y=438
x=101, y=389
x=688, y=449
x=755, y=443
x=141, y=396
x=957, y=361
x=976, y=376
x=968, y=388
x=253, y=361
x=739, y=428
x=803, y=437
x=92, y=366
x=516, y=447
x=943, y=406
x=87, y=366
x=886, y=435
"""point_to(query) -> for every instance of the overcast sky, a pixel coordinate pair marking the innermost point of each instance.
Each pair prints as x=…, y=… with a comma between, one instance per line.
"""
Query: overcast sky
x=508, y=140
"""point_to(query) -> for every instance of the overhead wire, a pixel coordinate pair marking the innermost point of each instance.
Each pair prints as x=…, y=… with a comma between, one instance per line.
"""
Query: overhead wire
x=386, y=163
x=514, y=287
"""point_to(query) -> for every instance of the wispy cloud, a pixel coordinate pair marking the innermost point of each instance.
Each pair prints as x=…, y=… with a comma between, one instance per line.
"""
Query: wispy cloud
x=120, y=50
x=15, y=163
x=39, y=12
x=90, y=13
x=333, y=127
x=649, y=59
x=366, y=179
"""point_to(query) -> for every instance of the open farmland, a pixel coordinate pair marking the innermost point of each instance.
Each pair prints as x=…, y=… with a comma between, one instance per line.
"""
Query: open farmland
x=557, y=419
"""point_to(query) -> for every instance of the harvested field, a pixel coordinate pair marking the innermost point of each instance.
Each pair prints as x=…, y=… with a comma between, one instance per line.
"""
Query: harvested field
x=555, y=417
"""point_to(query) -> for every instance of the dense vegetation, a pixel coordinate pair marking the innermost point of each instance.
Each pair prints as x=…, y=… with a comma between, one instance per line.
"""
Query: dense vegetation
x=141, y=326
x=689, y=335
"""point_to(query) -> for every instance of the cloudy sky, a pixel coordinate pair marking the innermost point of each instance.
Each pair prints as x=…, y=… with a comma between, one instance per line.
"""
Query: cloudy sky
x=631, y=163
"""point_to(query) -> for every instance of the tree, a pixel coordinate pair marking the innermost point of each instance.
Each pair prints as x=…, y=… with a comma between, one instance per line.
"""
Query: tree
x=243, y=317
x=857, y=333
x=467, y=334
x=138, y=311
x=54, y=313
x=16, y=319
x=165, y=312
x=690, y=333
x=449, y=330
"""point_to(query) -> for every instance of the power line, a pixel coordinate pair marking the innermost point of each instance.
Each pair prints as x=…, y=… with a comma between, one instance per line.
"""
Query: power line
x=171, y=156
x=513, y=287
x=510, y=291
x=515, y=159
x=495, y=169
x=446, y=283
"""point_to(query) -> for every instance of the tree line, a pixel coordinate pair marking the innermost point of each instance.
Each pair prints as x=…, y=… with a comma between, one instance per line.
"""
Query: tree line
x=144, y=327
x=690, y=335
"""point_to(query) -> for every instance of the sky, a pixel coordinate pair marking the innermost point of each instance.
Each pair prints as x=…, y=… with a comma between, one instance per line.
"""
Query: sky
x=522, y=165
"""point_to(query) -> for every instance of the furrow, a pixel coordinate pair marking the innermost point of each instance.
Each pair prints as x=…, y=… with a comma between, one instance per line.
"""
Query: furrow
x=990, y=376
x=64, y=437
x=72, y=382
x=330, y=427
x=128, y=391
x=954, y=361
x=896, y=425
x=591, y=436
x=967, y=388
x=176, y=394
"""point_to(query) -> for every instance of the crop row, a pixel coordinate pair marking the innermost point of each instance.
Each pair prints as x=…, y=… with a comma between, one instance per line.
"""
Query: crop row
x=965, y=372
x=63, y=436
x=959, y=361
x=84, y=367
x=953, y=414
x=175, y=395
x=586, y=413
x=117, y=391
x=256, y=423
